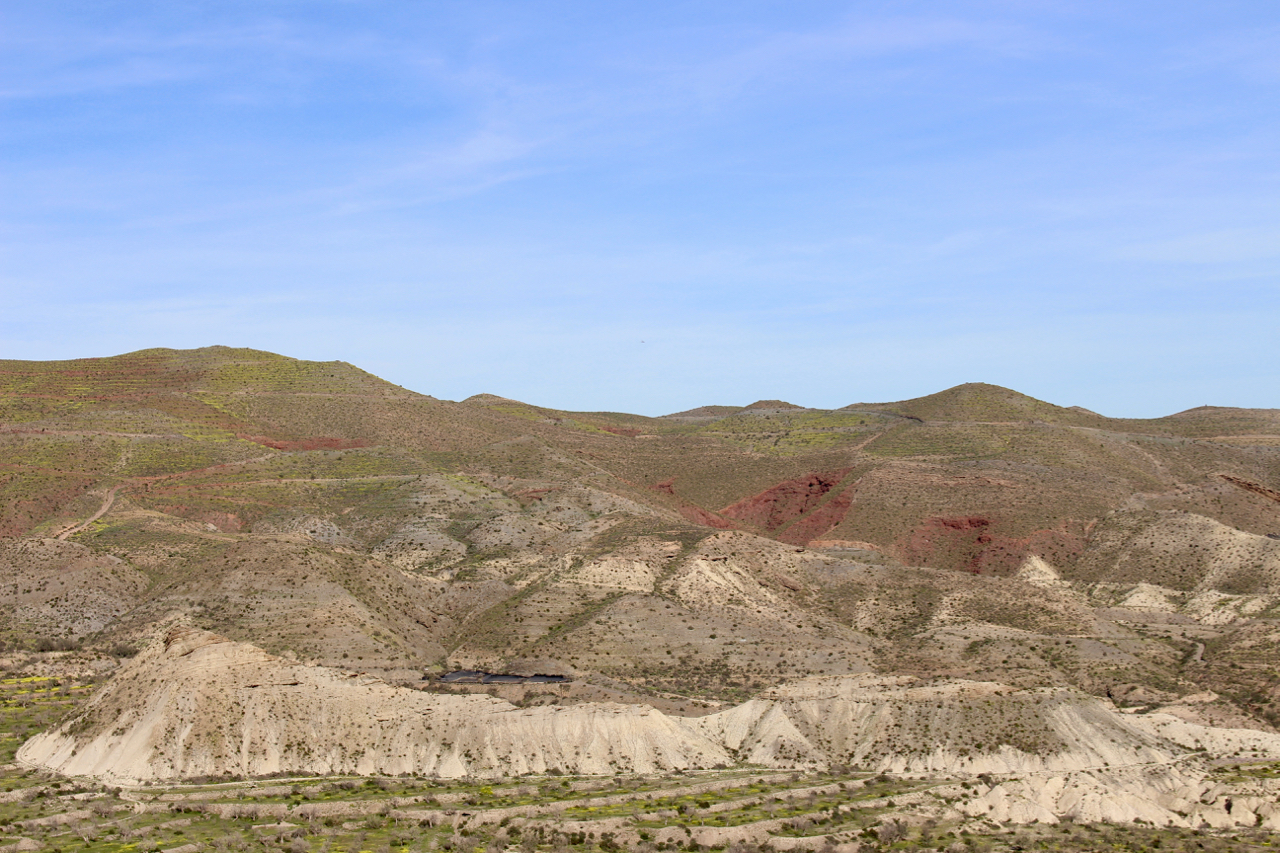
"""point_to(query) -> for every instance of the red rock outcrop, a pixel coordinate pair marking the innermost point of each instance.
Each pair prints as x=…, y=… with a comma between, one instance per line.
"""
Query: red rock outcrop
x=667, y=487
x=784, y=503
x=820, y=521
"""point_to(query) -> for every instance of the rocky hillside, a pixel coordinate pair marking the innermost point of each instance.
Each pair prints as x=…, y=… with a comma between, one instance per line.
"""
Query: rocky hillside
x=695, y=563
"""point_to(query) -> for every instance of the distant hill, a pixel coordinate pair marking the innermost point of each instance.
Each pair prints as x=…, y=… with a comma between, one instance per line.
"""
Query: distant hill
x=707, y=412
x=772, y=406
x=979, y=402
x=249, y=394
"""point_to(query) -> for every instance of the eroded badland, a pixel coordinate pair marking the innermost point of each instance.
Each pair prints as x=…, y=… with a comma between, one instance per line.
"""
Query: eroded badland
x=232, y=580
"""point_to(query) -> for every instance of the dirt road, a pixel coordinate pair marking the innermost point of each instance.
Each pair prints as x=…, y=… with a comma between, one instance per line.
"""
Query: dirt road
x=102, y=510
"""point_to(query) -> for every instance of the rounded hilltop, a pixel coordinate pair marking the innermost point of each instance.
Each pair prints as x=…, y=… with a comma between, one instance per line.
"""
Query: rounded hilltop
x=981, y=403
x=772, y=406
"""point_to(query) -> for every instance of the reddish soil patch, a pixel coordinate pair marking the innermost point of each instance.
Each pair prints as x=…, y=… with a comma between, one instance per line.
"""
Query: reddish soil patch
x=692, y=512
x=667, y=487
x=971, y=543
x=629, y=432
x=316, y=443
x=698, y=515
x=1248, y=486
x=784, y=503
x=820, y=521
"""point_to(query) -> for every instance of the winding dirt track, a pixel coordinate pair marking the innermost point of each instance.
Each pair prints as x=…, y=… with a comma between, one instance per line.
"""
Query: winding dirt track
x=102, y=510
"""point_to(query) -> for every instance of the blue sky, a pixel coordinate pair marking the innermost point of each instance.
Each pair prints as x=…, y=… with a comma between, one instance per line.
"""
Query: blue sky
x=647, y=206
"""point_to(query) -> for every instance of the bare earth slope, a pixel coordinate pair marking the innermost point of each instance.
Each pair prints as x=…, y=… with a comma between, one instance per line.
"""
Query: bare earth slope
x=196, y=704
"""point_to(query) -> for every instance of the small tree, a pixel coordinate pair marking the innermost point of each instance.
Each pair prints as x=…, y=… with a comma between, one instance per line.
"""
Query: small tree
x=891, y=831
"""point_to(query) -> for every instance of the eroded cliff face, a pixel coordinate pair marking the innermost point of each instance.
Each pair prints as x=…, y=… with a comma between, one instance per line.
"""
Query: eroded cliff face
x=196, y=704
x=788, y=501
x=904, y=725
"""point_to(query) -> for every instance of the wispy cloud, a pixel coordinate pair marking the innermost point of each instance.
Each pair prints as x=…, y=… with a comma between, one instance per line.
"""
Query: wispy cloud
x=1231, y=246
x=1251, y=53
x=774, y=57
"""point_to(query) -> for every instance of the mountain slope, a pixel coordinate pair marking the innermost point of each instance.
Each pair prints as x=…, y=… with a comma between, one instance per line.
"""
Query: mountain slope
x=688, y=561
